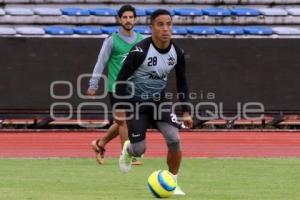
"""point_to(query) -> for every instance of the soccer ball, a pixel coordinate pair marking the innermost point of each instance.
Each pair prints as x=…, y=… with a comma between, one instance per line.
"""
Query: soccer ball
x=161, y=184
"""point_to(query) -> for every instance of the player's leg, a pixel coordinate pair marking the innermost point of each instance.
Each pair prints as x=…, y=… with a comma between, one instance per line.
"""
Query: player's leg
x=171, y=135
x=123, y=132
x=98, y=145
x=136, y=145
x=120, y=118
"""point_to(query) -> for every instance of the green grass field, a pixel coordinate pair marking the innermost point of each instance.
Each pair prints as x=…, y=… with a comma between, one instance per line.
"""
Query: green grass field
x=211, y=179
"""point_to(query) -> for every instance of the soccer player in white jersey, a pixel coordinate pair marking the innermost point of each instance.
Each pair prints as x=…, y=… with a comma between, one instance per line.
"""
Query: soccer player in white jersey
x=146, y=71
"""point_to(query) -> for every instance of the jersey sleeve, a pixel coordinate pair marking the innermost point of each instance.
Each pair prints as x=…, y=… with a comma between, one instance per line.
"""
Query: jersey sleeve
x=102, y=61
x=181, y=80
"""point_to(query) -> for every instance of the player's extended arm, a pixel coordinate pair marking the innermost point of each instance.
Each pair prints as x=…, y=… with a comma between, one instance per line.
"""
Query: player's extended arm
x=102, y=61
x=182, y=87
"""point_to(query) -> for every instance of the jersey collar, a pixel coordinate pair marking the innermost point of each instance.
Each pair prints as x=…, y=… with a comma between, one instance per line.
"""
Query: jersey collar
x=162, y=51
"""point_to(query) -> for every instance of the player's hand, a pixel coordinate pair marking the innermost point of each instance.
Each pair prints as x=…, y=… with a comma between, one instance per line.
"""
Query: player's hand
x=91, y=92
x=187, y=120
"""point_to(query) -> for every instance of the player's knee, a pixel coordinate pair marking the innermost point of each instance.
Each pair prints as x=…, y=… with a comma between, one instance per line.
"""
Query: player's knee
x=120, y=122
x=174, y=145
x=138, y=149
x=173, y=139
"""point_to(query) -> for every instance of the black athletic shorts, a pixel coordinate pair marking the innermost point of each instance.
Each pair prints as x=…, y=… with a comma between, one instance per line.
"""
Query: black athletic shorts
x=145, y=116
x=112, y=99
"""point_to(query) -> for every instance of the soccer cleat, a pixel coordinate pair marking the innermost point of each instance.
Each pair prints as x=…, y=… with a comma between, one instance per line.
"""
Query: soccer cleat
x=125, y=159
x=135, y=161
x=178, y=191
x=99, y=151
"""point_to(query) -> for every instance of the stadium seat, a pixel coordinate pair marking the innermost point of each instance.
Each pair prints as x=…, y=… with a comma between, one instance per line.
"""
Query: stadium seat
x=2, y=12
x=217, y=1
x=188, y=12
x=149, y=11
x=87, y=30
x=140, y=12
x=201, y=30
x=143, y=29
x=177, y=30
x=178, y=1
x=15, y=1
x=110, y=29
x=30, y=31
x=229, y=30
x=58, y=30
x=293, y=11
x=216, y=11
x=75, y=12
x=286, y=31
x=244, y=12
x=103, y=12
x=19, y=11
x=272, y=11
x=258, y=30
x=47, y=11
x=7, y=31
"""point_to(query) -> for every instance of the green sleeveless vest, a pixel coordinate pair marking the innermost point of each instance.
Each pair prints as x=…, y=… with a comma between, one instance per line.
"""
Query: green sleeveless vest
x=119, y=52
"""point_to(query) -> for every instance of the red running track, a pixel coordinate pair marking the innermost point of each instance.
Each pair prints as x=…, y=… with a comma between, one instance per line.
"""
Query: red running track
x=195, y=144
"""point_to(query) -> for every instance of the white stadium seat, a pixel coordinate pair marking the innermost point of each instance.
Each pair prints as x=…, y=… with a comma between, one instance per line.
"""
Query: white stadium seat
x=7, y=31
x=2, y=12
x=47, y=11
x=273, y=11
x=286, y=31
x=293, y=11
x=19, y=11
x=30, y=31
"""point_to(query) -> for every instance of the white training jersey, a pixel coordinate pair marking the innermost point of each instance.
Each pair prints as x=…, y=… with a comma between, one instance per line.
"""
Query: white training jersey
x=148, y=67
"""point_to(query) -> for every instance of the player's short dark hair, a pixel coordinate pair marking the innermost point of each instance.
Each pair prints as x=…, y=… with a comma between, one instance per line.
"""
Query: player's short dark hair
x=159, y=12
x=125, y=8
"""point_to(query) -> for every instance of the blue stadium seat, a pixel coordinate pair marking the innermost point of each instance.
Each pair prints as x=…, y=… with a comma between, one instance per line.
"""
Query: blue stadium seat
x=47, y=11
x=258, y=30
x=19, y=11
x=110, y=29
x=177, y=30
x=143, y=29
x=216, y=12
x=201, y=30
x=245, y=12
x=149, y=11
x=140, y=12
x=30, y=30
x=188, y=12
x=87, y=30
x=75, y=12
x=58, y=30
x=7, y=31
x=229, y=30
x=103, y=12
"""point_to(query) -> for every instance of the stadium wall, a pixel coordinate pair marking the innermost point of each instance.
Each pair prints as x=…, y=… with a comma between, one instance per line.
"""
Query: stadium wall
x=222, y=72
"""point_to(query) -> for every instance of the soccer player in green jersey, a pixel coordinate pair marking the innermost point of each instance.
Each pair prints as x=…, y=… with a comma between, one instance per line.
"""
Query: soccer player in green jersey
x=113, y=53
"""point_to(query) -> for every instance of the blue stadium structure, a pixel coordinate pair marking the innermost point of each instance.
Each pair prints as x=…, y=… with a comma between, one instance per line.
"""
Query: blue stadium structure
x=192, y=18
